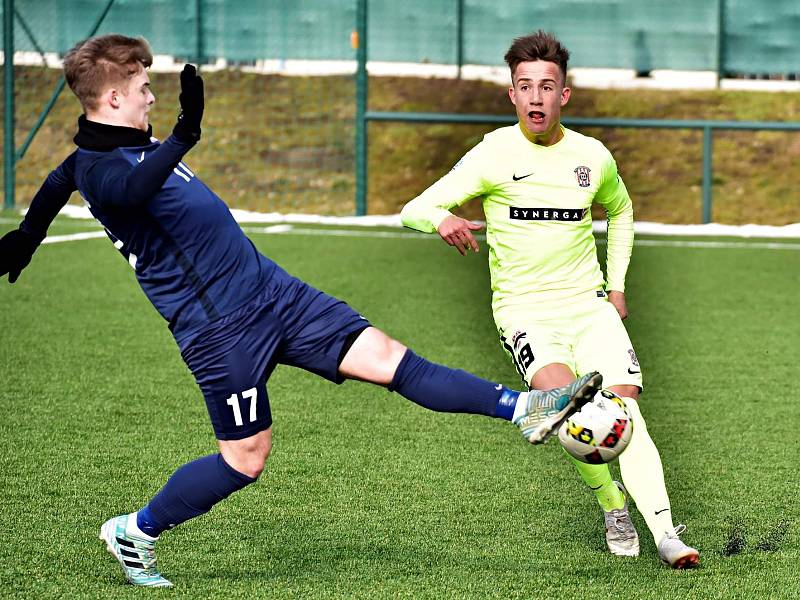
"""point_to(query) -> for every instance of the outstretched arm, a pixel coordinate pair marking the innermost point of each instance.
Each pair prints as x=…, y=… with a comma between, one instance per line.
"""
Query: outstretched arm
x=430, y=211
x=119, y=185
x=17, y=246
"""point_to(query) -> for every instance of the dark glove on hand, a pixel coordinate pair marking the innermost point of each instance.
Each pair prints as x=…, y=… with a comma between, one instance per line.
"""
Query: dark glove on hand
x=16, y=250
x=187, y=129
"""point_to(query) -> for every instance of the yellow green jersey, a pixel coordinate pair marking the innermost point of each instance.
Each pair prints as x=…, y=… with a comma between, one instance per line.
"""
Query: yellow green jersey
x=537, y=202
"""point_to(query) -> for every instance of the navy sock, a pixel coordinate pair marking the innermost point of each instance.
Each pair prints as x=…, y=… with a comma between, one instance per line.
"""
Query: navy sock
x=191, y=491
x=443, y=389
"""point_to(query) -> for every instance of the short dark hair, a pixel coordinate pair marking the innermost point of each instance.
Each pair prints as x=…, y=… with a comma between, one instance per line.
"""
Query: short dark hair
x=537, y=46
x=95, y=63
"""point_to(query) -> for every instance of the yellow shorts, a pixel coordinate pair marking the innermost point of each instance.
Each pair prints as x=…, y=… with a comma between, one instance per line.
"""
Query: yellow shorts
x=587, y=335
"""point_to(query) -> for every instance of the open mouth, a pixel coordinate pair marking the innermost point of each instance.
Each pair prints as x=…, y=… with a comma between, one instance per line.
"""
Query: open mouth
x=536, y=116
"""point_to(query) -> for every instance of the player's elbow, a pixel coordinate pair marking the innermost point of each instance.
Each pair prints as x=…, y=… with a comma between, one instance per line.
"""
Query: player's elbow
x=137, y=195
x=413, y=216
x=619, y=220
x=406, y=215
x=621, y=213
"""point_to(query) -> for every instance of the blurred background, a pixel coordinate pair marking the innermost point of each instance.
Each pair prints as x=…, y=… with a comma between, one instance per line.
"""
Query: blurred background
x=343, y=107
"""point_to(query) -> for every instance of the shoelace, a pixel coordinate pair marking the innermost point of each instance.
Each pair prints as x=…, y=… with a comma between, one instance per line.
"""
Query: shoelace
x=619, y=527
x=550, y=401
x=675, y=533
x=535, y=403
x=546, y=402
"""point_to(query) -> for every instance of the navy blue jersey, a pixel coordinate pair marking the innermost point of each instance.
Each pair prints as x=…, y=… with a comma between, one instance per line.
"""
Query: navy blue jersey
x=190, y=256
x=50, y=199
x=234, y=313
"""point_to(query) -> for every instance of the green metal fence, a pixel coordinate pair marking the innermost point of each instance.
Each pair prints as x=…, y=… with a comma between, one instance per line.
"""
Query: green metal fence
x=364, y=116
x=277, y=150
x=303, y=157
x=707, y=127
x=732, y=36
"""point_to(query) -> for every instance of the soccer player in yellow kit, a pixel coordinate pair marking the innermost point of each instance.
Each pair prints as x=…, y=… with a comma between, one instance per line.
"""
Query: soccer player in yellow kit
x=556, y=316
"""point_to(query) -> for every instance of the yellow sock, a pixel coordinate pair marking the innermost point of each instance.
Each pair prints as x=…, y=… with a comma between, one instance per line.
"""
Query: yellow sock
x=598, y=478
x=643, y=476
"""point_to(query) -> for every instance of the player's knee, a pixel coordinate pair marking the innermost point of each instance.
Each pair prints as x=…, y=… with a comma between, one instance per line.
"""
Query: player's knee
x=390, y=354
x=249, y=456
x=384, y=355
x=374, y=357
x=625, y=391
x=253, y=463
x=394, y=352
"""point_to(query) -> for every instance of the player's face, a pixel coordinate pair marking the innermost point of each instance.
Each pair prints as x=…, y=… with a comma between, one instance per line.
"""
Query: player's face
x=135, y=102
x=538, y=95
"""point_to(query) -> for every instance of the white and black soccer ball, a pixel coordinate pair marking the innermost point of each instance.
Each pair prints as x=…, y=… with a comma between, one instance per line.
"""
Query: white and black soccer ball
x=599, y=431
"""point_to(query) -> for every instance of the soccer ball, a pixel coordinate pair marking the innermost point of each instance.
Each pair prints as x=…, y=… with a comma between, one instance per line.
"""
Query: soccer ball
x=599, y=431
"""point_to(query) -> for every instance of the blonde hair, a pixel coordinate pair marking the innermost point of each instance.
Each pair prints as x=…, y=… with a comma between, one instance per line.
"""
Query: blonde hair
x=94, y=64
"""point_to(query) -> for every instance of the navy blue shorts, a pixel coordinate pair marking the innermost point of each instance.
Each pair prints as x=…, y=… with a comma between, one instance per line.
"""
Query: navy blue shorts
x=289, y=323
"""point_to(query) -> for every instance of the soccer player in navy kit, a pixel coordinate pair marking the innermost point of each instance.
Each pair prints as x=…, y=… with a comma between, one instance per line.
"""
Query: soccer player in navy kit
x=234, y=313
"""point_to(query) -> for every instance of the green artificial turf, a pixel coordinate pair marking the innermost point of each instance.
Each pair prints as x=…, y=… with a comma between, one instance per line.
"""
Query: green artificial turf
x=367, y=495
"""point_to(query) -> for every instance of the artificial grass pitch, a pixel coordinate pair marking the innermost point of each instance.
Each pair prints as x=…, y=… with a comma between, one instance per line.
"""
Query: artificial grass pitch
x=367, y=495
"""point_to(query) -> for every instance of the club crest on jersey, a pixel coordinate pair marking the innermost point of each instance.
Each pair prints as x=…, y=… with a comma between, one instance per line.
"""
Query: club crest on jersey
x=519, y=336
x=582, y=173
x=634, y=360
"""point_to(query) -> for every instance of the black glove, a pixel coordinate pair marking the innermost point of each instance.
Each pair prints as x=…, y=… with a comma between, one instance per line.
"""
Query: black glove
x=16, y=250
x=187, y=129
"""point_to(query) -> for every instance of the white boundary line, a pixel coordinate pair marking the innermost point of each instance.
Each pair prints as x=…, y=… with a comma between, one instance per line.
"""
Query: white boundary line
x=365, y=233
x=713, y=244
x=291, y=230
x=73, y=237
x=248, y=218
x=285, y=223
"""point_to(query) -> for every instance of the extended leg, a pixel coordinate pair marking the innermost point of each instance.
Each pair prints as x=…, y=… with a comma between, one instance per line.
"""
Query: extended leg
x=643, y=474
x=376, y=358
x=191, y=491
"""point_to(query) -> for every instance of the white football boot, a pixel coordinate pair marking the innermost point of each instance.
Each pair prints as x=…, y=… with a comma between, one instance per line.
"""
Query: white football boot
x=136, y=555
x=674, y=553
x=621, y=535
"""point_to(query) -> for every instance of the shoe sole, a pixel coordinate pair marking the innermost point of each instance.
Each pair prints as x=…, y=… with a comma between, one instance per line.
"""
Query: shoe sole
x=619, y=552
x=688, y=561
x=581, y=397
x=107, y=533
x=106, y=537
